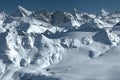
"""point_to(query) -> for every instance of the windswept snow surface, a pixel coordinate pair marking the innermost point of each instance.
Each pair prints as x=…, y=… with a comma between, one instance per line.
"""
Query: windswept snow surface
x=42, y=45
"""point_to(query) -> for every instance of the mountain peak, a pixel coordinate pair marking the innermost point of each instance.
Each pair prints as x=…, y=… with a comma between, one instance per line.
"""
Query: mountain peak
x=20, y=8
x=21, y=12
x=3, y=15
x=104, y=12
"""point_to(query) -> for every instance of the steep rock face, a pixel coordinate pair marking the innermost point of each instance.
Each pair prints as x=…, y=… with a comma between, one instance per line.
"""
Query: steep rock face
x=82, y=17
x=42, y=15
x=60, y=18
x=89, y=27
x=116, y=27
x=107, y=36
x=102, y=36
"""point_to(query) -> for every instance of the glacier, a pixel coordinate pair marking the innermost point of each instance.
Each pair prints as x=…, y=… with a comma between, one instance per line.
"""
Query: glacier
x=43, y=45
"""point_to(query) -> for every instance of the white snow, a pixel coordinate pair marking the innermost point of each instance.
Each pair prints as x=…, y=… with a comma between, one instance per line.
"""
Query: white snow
x=70, y=46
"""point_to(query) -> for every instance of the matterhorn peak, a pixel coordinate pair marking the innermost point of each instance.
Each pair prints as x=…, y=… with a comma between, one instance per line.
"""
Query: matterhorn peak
x=21, y=12
x=20, y=8
x=104, y=12
x=75, y=10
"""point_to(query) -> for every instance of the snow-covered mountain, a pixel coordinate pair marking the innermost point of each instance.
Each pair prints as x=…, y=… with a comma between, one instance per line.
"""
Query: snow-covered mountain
x=43, y=45
x=21, y=12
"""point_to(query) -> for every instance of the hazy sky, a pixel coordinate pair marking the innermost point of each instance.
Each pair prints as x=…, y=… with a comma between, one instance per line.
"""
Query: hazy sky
x=91, y=6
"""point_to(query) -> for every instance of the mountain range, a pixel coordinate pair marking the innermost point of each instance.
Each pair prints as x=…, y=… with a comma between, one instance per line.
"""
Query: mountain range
x=43, y=45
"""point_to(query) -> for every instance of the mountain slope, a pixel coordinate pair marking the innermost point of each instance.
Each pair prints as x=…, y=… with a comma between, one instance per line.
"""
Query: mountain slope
x=59, y=45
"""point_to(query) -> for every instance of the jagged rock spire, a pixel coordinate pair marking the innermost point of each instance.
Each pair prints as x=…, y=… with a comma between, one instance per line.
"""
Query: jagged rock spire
x=104, y=12
x=21, y=12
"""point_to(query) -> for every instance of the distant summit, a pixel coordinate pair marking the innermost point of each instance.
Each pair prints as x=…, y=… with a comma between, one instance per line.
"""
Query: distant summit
x=104, y=12
x=21, y=12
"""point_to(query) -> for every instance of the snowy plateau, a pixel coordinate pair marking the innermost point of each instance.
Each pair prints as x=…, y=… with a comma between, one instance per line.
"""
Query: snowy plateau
x=43, y=45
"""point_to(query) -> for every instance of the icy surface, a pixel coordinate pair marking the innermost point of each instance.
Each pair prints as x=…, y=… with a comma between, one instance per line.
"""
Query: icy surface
x=40, y=45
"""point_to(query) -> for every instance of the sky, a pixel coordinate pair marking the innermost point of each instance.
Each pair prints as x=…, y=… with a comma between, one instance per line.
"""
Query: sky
x=89, y=6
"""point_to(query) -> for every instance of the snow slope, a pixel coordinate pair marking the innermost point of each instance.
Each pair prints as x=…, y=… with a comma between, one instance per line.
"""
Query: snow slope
x=42, y=45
